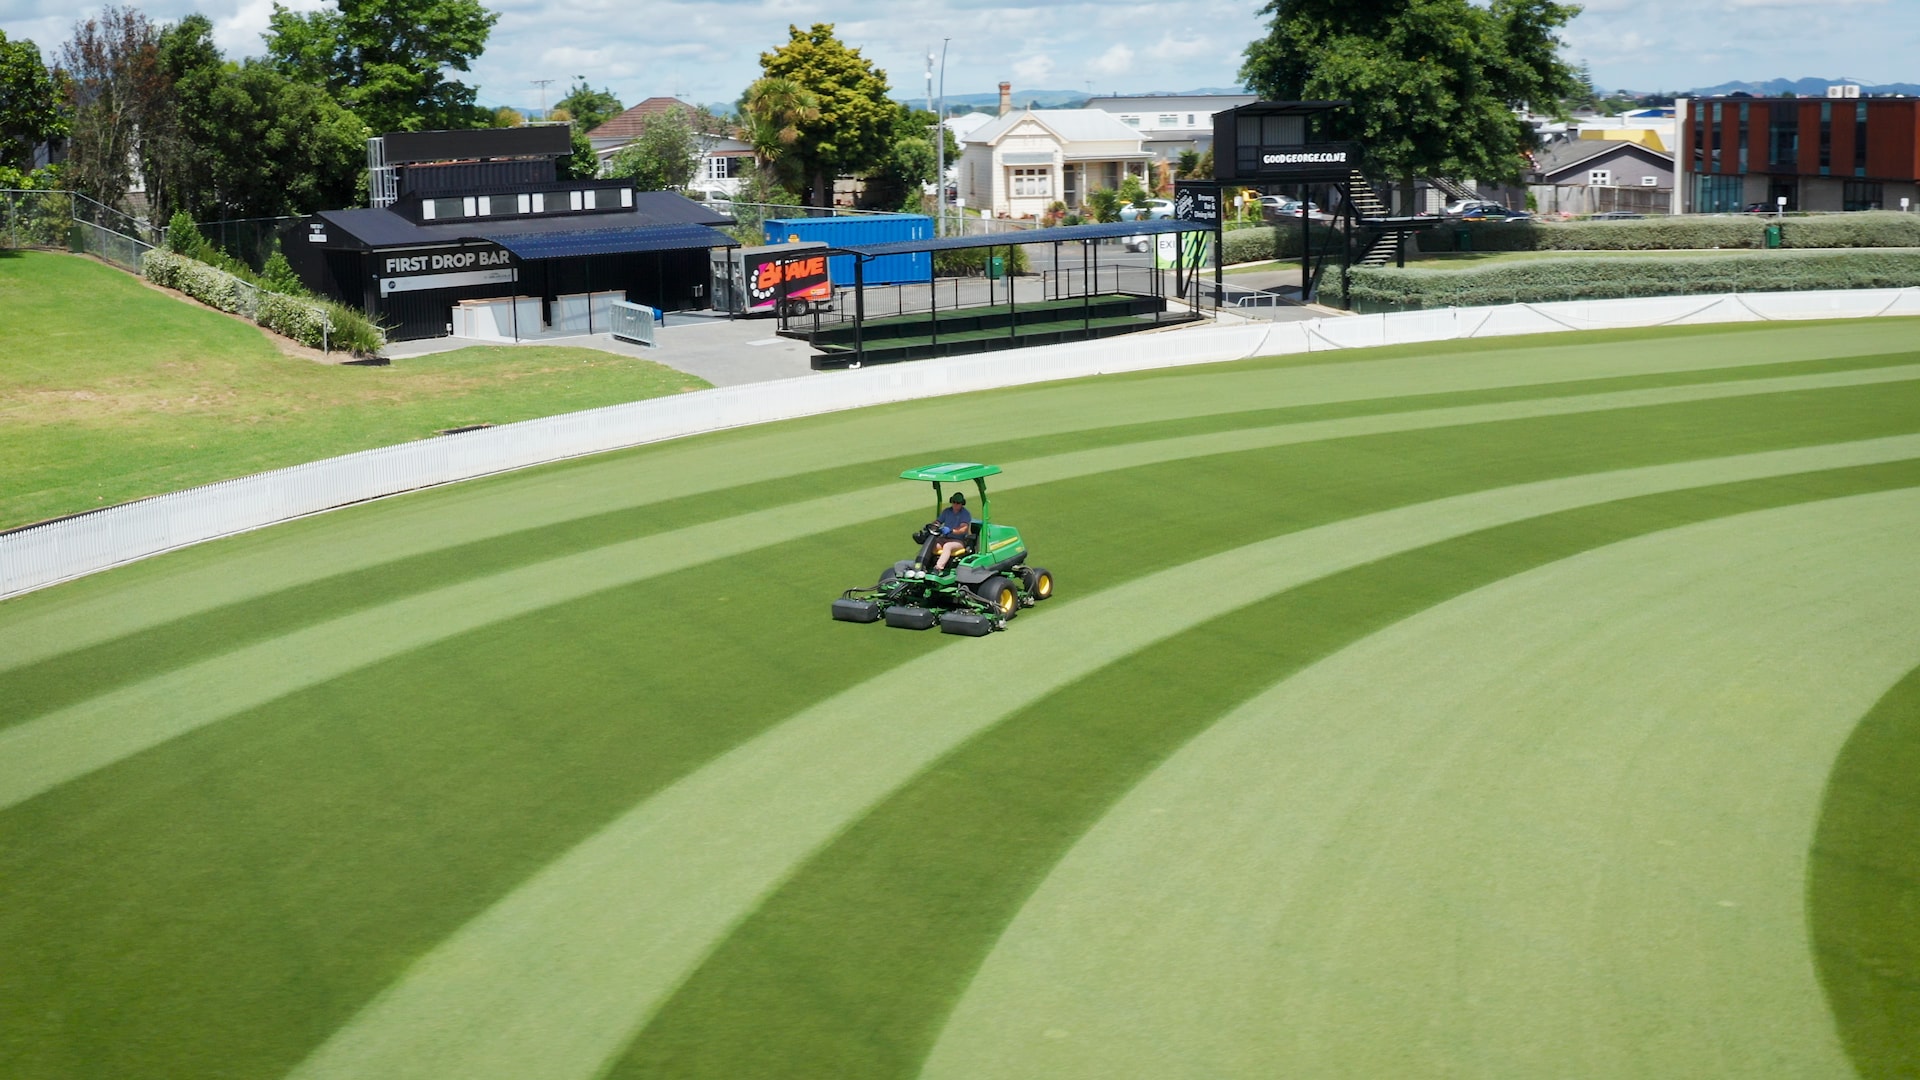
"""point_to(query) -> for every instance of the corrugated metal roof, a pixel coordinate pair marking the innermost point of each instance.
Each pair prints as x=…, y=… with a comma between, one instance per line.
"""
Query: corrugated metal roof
x=622, y=241
x=1070, y=125
x=385, y=229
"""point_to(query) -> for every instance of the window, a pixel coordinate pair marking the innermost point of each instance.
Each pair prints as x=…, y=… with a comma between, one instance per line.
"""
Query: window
x=1600, y=177
x=1783, y=134
x=1649, y=181
x=1861, y=195
x=1032, y=183
x=1717, y=194
x=1168, y=119
x=1826, y=137
x=1130, y=121
x=1714, y=134
x=1860, y=138
x=436, y=209
x=1743, y=136
x=1189, y=119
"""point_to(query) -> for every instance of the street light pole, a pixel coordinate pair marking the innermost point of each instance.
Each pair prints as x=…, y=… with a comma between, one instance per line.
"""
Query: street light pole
x=940, y=141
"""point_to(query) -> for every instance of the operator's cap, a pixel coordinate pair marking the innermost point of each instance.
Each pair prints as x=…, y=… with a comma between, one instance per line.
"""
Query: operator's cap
x=958, y=498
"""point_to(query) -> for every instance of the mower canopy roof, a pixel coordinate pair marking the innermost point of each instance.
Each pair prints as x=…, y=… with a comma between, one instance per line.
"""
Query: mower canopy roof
x=950, y=472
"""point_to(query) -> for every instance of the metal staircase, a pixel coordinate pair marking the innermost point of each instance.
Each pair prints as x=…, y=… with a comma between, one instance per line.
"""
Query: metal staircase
x=1382, y=248
x=1453, y=189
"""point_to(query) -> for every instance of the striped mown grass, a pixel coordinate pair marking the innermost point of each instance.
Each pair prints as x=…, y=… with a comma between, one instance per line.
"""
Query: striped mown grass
x=567, y=773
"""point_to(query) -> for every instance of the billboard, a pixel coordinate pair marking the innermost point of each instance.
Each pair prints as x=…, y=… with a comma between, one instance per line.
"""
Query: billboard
x=777, y=279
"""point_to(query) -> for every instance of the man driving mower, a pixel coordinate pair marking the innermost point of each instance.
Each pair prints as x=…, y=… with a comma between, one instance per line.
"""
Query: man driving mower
x=956, y=527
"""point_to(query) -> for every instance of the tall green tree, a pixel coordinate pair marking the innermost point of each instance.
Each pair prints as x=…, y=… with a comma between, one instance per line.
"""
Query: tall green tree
x=894, y=183
x=774, y=108
x=244, y=140
x=116, y=93
x=1434, y=83
x=29, y=107
x=664, y=156
x=589, y=108
x=387, y=60
x=854, y=129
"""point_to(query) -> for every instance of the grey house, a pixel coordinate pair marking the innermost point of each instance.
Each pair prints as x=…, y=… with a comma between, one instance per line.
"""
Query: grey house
x=1587, y=176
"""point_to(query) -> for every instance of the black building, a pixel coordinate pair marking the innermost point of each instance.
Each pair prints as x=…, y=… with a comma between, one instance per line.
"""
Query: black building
x=480, y=215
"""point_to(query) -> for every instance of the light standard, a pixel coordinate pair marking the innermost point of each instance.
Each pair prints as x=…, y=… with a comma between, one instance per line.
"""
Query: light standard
x=939, y=141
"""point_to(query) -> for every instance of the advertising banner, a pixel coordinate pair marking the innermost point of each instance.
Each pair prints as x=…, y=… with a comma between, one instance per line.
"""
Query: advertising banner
x=1168, y=248
x=776, y=280
x=451, y=267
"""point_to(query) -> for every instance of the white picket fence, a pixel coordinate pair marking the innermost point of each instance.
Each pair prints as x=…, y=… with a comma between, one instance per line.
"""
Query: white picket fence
x=41, y=555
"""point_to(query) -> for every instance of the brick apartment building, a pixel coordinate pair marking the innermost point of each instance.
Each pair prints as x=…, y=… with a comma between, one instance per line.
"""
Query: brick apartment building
x=1832, y=153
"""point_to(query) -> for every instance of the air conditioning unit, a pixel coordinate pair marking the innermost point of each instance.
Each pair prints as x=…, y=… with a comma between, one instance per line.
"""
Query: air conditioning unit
x=1844, y=90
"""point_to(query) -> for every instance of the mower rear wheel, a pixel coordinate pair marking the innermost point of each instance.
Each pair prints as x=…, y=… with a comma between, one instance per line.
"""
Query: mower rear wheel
x=1038, y=580
x=1000, y=592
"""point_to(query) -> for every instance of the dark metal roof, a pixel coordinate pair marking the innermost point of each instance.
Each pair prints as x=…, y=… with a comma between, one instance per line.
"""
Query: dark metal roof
x=1105, y=231
x=386, y=229
x=1287, y=108
x=617, y=241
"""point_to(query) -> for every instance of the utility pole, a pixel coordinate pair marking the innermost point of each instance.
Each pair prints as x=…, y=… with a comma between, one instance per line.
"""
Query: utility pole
x=542, y=84
x=939, y=140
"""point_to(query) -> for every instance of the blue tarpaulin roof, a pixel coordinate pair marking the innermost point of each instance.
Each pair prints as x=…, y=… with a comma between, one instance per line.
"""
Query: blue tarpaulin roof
x=618, y=241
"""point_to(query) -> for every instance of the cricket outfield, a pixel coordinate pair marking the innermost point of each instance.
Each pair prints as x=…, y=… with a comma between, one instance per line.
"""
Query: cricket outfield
x=1538, y=706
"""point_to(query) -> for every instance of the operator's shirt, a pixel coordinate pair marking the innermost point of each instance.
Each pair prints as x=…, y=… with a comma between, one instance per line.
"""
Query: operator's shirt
x=956, y=518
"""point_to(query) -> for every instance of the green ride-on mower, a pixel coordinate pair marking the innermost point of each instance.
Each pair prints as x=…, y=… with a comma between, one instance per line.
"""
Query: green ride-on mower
x=979, y=591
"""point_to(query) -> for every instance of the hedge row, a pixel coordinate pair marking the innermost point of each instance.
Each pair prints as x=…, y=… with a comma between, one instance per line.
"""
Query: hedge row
x=307, y=320
x=1535, y=281
x=1867, y=229
x=1260, y=243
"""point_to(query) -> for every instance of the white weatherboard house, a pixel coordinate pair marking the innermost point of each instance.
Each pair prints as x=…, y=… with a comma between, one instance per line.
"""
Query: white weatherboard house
x=1021, y=163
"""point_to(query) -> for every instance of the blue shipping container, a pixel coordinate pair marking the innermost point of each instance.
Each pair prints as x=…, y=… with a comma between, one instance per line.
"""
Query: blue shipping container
x=859, y=229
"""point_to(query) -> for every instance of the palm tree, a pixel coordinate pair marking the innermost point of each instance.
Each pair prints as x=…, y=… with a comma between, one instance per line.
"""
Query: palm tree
x=774, y=109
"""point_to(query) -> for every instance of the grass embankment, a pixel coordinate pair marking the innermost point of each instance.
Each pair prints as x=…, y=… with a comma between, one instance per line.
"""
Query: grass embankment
x=302, y=796
x=111, y=390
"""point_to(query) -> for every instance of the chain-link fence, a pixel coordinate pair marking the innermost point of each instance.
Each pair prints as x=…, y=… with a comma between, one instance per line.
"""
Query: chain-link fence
x=250, y=240
x=35, y=219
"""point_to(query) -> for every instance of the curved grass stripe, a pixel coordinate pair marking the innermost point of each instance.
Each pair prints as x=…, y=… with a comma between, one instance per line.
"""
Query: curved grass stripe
x=47, y=750
x=1555, y=827
x=552, y=980
x=1863, y=889
x=572, y=490
x=853, y=963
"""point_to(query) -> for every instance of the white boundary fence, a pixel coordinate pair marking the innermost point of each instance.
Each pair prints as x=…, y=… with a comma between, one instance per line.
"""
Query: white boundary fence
x=41, y=555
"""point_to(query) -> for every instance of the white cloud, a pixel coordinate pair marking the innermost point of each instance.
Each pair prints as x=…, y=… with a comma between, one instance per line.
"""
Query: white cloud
x=1117, y=60
x=1170, y=48
x=1033, y=71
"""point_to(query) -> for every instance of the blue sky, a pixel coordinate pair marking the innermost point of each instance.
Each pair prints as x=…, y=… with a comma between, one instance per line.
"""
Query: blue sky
x=707, y=51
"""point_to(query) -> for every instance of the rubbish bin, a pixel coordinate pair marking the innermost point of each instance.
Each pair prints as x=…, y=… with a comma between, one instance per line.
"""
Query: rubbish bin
x=1773, y=236
x=1463, y=239
x=997, y=266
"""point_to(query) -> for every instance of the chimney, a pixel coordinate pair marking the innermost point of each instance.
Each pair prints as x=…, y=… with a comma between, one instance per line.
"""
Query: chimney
x=1006, y=98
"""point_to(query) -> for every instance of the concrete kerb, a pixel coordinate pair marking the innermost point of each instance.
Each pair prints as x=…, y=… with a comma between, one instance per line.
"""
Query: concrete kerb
x=65, y=549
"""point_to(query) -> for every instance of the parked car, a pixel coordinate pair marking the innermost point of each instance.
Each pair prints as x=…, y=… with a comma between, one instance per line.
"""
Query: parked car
x=1493, y=212
x=1155, y=210
x=714, y=197
x=1463, y=207
x=1283, y=206
x=1618, y=215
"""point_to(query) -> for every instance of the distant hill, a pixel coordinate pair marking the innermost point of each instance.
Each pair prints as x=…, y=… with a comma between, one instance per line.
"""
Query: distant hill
x=1803, y=87
x=1056, y=99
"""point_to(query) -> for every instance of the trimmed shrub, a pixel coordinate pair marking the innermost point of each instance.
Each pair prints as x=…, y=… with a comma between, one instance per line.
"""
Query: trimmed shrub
x=1875, y=229
x=1261, y=243
x=1535, y=281
x=972, y=262
x=306, y=319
